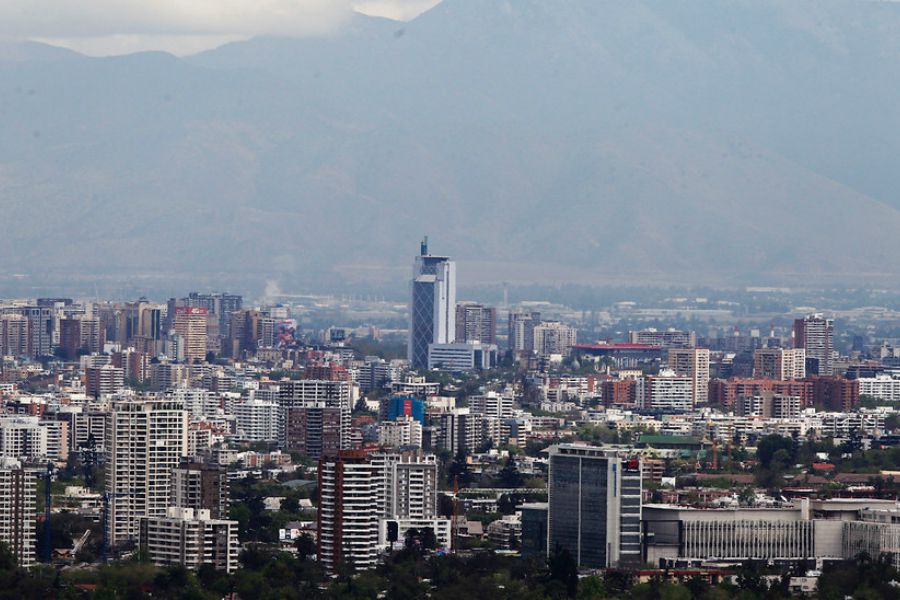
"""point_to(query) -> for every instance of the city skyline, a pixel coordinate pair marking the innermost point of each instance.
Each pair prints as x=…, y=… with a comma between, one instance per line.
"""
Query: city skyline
x=650, y=350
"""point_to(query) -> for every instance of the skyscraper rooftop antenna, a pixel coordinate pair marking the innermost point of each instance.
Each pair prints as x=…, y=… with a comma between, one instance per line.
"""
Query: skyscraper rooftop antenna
x=424, y=246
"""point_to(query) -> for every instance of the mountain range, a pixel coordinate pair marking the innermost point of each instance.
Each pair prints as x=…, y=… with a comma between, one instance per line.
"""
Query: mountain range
x=721, y=142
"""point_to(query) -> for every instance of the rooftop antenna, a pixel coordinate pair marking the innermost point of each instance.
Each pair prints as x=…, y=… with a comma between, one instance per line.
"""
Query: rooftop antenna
x=424, y=246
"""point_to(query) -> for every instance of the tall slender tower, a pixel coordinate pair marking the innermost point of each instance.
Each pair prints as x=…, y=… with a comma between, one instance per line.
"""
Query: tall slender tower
x=432, y=310
x=693, y=363
x=191, y=324
x=815, y=334
x=18, y=490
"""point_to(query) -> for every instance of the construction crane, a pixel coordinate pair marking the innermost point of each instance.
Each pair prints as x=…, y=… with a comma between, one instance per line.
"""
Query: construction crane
x=79, y=543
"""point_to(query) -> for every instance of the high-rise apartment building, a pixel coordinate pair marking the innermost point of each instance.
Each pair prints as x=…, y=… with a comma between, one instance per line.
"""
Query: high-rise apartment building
x=257, y=420
x=27, y=438
x=551, y=337
x=81, y=335
x=727, y=392
x=408, y=498
x=200, y=487
x=102, y=381
x=460, y=430
x=367, y=502
x=770, y=406
x=520, y=332
x=218, y=304
x=316, y=431
x=15, y=339
x=18, y=499
x=835, y=393
x=693, y=363
x=666, y=392
x=249, y=330
x=784, y=364
x=308, y=429
x=595, y=506
x=432, y=310
x=40, y=328
x=146, y=440
x=349, y=486
x=403, y=431
x=499, y=405
x=815, y=334
x=408, y=484
x=190, y=325
x=476, y=323
x=134, y=364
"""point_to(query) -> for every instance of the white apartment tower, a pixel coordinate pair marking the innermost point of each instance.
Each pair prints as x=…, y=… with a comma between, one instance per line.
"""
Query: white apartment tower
x=779, y=363
x=493, y=404
x=520, y=331
x=257, y=421
x=146, y=439
x=348, y=515
x=815, y=334
x=551, y=337
x=408, y=484
x=362, y=495
x=666, y=392
x=693, y=363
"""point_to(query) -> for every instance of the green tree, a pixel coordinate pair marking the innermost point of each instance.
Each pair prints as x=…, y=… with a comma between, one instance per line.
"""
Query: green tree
x=509, y=475
x=459, y=471
x=563, y=570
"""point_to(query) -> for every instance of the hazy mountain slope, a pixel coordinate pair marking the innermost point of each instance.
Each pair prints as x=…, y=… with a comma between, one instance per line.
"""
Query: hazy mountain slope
x=721, y=141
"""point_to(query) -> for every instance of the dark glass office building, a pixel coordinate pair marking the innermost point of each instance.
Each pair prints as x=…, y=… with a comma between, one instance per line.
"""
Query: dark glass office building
x=595, y=506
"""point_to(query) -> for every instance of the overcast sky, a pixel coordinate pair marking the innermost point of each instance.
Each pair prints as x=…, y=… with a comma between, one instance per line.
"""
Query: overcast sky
x=105, y=27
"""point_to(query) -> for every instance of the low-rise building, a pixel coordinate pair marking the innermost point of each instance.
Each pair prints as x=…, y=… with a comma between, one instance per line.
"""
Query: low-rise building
x=191, y=539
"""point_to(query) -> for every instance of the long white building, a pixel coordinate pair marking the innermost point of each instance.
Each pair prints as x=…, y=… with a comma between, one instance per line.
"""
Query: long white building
x=883, y=387
x=190, y=538
x=666, y=392
x=493, y=404
x=257, y=421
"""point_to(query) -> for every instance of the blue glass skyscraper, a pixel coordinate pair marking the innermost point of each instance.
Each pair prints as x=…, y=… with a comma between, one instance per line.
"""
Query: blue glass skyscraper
x=432, y=310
